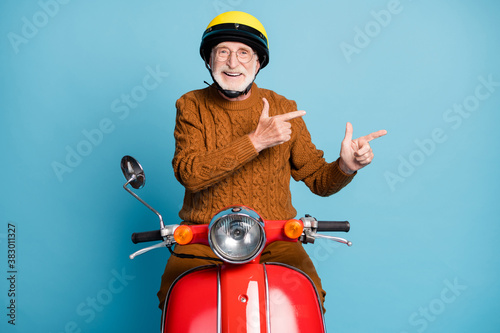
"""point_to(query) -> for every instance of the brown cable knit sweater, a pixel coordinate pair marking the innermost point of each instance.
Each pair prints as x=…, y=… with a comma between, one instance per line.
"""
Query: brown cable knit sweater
x=218, y=165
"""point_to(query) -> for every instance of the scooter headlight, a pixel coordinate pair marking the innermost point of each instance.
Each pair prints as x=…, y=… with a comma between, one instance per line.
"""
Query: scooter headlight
x=236, y=235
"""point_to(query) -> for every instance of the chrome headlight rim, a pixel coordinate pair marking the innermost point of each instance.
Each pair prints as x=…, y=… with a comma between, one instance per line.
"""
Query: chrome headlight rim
x=237, y=212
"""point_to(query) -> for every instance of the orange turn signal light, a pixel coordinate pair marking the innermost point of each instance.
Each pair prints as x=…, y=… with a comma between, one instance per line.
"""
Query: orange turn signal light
x=183, y=235
x=293, y=228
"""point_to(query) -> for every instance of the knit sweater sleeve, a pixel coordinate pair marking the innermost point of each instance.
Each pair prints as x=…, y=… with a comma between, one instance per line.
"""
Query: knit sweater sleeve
x=196, y=166
x=308, y=164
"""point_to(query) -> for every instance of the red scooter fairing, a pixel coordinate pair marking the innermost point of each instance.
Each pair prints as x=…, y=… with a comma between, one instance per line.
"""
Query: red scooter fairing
x=192, y=302
x=243, y=298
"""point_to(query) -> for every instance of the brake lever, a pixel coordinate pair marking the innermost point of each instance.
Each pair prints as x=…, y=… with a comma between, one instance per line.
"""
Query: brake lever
x=336, y=239
x=149, y=248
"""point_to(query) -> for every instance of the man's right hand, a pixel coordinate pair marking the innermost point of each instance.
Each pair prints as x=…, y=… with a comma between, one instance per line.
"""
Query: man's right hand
x=273, y=131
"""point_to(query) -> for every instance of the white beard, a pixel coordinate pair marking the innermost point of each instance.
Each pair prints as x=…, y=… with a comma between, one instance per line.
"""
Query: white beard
x=249, y=77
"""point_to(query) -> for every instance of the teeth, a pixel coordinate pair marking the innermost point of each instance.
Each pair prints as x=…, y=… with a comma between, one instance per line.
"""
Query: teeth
x=233, y=74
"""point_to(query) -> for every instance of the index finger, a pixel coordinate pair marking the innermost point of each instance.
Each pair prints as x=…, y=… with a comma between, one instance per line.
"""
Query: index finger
x=374, y=135
x=290, y=115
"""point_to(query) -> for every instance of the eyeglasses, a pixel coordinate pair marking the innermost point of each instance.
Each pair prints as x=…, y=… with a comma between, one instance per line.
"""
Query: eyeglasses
x=243, y=55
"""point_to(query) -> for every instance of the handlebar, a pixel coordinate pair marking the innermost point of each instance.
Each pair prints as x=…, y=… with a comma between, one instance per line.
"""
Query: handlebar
x=155, y=235
x=146, y=236
x=334, y=226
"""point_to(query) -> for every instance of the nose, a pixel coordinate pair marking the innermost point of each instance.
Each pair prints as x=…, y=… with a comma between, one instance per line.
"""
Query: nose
x=233, y=61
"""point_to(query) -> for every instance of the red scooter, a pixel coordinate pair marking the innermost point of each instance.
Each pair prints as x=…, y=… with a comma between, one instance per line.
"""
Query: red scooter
x=239, y=294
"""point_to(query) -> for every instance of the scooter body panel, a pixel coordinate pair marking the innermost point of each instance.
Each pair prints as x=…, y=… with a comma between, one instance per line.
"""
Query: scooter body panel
x=191, y=305
x=294, y=304
x=243, y=298
x=246, y=298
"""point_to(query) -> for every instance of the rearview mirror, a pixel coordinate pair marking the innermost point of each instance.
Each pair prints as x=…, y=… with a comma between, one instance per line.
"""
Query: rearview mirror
x=133, y=172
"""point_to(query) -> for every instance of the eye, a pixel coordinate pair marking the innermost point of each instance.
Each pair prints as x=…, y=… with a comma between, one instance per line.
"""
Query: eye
x=244, y=54
x=223, y=51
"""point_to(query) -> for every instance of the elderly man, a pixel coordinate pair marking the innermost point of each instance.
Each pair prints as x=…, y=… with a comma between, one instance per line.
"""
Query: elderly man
x=238, y=144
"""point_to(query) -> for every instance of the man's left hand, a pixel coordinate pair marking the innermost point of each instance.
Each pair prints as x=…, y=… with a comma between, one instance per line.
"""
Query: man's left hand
x=356, y=154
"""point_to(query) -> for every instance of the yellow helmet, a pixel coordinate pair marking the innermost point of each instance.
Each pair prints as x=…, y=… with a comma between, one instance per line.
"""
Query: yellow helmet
x=236, y=26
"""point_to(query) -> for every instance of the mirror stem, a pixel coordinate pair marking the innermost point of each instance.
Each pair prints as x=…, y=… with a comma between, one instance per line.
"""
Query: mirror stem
x=143, y=202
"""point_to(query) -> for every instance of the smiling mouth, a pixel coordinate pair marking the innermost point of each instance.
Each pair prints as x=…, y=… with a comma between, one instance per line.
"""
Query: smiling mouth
x=232, y=74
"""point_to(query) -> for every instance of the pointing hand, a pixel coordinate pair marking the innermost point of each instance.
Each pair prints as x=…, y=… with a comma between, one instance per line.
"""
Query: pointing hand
x=273, y=131
x=356, y=154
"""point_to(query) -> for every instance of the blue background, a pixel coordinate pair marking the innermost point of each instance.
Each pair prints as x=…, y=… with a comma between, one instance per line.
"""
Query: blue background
x=423, y=214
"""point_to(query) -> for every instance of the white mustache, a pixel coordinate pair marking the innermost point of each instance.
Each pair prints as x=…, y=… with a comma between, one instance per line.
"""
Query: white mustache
x=237, y=70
